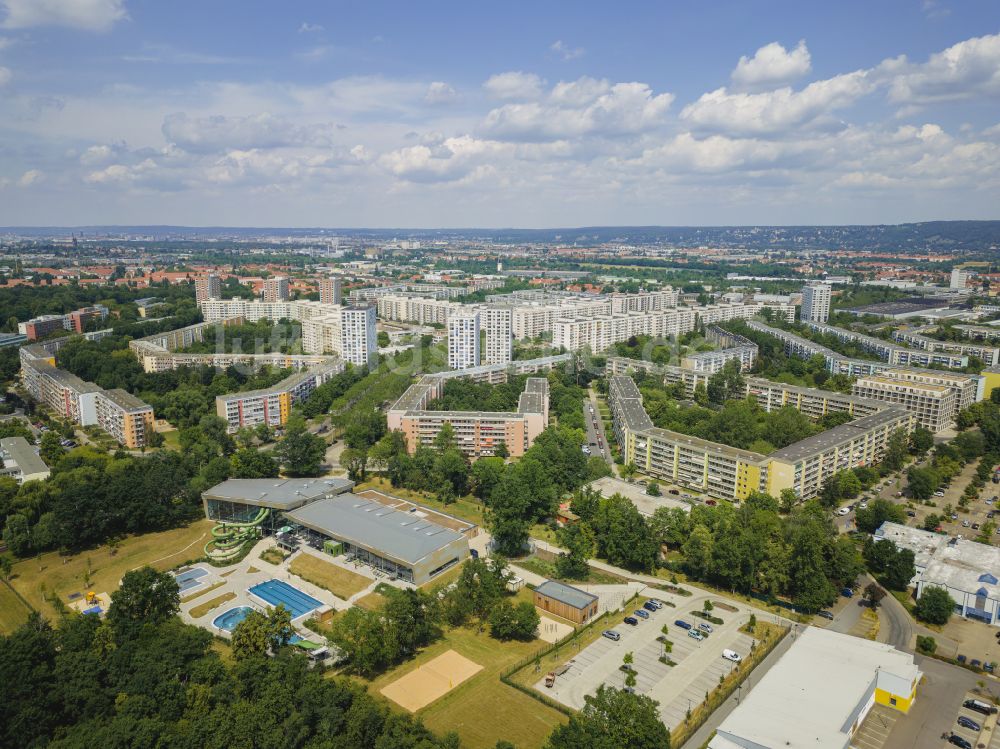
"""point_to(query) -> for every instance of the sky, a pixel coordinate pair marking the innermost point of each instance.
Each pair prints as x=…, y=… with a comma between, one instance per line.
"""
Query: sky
x=513, y=114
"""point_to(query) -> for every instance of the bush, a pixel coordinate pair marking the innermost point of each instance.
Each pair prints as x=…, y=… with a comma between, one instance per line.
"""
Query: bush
x=926, y=645
x=935, y=606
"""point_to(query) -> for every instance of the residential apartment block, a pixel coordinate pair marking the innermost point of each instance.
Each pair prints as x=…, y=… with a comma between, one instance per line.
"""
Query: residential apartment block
x=989, y=355
x=272, y=405
x=816, y=302
x=497, y=322
x=209, y=287
x=125, y=417
x=890, y=352
x=477, y=433
x=933, y=406
x=76, y=321
x=330, y=290
x=276, y=289
x=463, y=340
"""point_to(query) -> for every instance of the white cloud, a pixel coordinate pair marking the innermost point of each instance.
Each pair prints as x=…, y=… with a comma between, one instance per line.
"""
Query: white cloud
x=218, y=133
x=772, y=65
x=440, y=92
x=583, y=107
x=565, y=51
x=309, y=28
x=514, y=85
x=31, y=177
x=5, y=42
x=89, y=15
x=779, y=110
x=964, y=70
x=315, y=54
x=5, y=76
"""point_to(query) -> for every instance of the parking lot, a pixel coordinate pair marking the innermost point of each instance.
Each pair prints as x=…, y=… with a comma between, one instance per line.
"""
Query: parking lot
x=699, y=665
x=969, y=734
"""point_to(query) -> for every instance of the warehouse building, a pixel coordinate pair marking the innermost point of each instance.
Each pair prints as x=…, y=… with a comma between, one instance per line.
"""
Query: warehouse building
x=572, y=604
x=819, y=693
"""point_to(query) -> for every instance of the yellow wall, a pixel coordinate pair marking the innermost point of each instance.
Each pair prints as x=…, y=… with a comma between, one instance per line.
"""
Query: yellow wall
x=992, y=381
x=779, y=476
x=903, y=704
x=747, y=479
x=285, y=404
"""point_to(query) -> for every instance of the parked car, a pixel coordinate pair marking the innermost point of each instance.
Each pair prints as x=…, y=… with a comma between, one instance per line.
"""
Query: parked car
x=991, y=514
x=673, y=491
x=682, y=624
x=631, y=620
x=656, y=603
x=863, y=505
x=650, y=606
x=843, y=511
x=954, y=516
x=641, y=613
x=975, y=526
x=959, y=741
x=961, y=659
x=965, y=523
x=825, y=614
x=847, y=593
x=980, y=707
x=705, y=627
x=939, y=493
x=696, y=635
x=611, y=635
x=911, y=514
x=988, y=667
x=711, y=502
x=976, y=663
x=732, y=655
x=969, y=723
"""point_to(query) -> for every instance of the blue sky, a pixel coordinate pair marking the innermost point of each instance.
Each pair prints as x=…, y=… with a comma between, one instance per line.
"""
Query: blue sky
x=517, y=114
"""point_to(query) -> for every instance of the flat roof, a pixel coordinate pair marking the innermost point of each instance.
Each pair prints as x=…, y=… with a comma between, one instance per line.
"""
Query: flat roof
x=279, y=494
x=126, y=400
x=20, y=452
x=814, y=693
x=403, y=536
x=836, y=436
x=923, y=544
x=567, y=594
x=906, y=384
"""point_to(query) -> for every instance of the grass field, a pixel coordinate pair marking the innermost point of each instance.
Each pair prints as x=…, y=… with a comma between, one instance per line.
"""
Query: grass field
x=466, y=508
x=342, y=583
x=482, y=710
x=372, y=601
x=203, y=608
x=203, y=591
x=543, y=563
x=52, y=574
x=13, y=613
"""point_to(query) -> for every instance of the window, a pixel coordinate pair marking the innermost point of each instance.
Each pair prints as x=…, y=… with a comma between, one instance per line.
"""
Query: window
x=892, y=700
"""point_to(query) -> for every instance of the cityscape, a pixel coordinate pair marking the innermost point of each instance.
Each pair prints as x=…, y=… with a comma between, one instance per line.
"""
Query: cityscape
x=436, y=377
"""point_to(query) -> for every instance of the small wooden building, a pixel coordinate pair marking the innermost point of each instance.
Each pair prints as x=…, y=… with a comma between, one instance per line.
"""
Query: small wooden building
x=565, y=601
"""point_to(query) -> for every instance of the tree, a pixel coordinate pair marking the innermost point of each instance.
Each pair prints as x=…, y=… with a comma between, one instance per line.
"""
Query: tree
x=787, y=500
x=895, y=451
x=249, y=463
x=485, y=475
x=653, y=489
x=6, y=566
x=613, y=718
x=878, y=512
x=623, y=538
x=144, y=597
x=697, y=552
x=509, y=513
x=501, y=451
x=300, y=451
x=518, y=622
x=923, y=482
x=50, y=450
x=578, y=540
x=935, y=606
x=252, y=636
x=873, y=593
x=921, y=440
x=727, y=383
x=355, y=461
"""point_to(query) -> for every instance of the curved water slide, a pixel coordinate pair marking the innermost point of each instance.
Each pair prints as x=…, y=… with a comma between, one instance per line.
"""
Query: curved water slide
x=228, y=538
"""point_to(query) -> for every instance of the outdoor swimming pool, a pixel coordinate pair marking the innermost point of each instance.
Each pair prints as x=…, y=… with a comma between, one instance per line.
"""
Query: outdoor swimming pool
x=190, y=578
x=293, y=599
x=229, y=619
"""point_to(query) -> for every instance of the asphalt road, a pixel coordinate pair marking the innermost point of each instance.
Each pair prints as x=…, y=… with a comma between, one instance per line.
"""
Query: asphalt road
x=589, y=419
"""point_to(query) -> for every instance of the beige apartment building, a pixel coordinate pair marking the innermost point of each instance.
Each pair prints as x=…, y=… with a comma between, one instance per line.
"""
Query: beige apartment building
x=933, y=406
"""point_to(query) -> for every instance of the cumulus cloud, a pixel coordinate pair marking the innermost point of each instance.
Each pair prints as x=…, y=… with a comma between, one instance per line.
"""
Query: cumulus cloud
x=772, y=65
x=220, y=133
x=514, y=85
x=5, y=76
x=89, y=15
x=964, y=70
x=31, y=177
x=440, y=92
x=309, y=28
x=566, y=51
x=779, y=110
x=578, y=108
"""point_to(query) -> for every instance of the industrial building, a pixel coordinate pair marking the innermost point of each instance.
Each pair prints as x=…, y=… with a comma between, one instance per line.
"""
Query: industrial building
x=572, y=604
x=819, y=693
x=20, y=461
x=477, y=433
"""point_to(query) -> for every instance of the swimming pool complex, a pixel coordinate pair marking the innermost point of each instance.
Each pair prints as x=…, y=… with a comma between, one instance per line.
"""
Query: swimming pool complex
x=229, y=619
x=276, y=592
x=190, y=578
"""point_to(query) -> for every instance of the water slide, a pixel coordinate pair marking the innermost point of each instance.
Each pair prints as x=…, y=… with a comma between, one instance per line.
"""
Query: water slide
x=228, y=538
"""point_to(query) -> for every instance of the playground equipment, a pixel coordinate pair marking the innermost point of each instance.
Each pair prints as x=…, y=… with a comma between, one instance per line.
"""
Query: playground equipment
x=228, y=538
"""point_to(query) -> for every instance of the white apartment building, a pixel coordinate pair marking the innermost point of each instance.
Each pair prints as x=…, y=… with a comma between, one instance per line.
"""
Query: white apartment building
x=497, y=322
x=348, y=332
x=209, y=287
x=816, y=302
x=532, y=320
x=960, y=277
x=933, y=406
x=406, y=308
x=276, y=289
x=463, y=340
x=330, y=290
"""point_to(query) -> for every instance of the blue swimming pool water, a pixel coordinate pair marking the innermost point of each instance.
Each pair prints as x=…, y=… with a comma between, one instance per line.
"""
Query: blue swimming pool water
x=229, y=619
x=294, y=639
x=293, y=599
x=190, y=578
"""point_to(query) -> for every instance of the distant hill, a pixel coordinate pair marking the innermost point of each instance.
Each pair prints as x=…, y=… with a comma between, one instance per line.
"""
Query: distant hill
x=934, y=236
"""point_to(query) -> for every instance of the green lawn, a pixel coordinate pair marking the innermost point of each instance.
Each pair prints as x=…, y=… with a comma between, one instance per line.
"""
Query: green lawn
x=13, y=613
x=482, y=710
x=541, y=563
x=467, y=507
x=342, y=583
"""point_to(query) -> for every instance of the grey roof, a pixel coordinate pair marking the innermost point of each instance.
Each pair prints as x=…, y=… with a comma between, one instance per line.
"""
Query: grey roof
x=18, y=450
x=126, y=400
x=400, y=536
x=279, y=494
x=532, y=399
x=837, y=436
x=567, y=594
